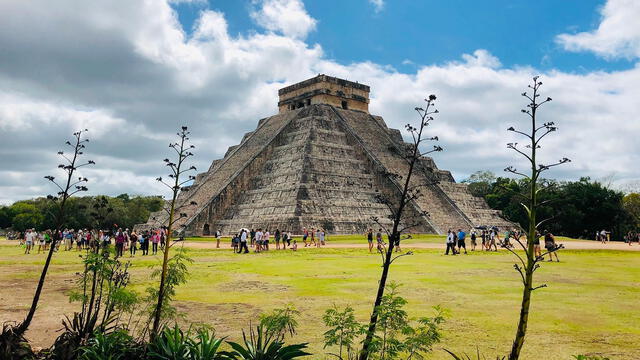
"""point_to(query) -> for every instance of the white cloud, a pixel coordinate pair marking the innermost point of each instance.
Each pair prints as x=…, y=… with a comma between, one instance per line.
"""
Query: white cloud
x=617, y=35
x=286, y=16
x=130, y=73
x=482, y=58
x=378, y=5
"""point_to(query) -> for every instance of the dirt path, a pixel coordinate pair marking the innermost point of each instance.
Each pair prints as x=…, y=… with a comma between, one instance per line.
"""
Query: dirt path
x=569, y=245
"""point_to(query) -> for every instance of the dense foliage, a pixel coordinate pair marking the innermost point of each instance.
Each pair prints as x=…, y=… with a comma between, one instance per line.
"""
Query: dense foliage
x=574, y=208
x=38, y=213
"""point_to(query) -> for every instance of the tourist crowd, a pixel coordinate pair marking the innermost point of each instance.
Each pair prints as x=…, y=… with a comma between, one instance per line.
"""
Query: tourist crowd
x=491, y=240
x=260, y=239
x=124, y=240
x=488, y=238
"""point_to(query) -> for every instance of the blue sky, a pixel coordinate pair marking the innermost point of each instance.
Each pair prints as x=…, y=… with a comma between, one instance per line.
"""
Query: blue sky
x=407, y=33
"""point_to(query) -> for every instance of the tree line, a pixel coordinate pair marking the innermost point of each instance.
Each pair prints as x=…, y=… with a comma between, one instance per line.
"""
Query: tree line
x=83, y=213
x=575, y=208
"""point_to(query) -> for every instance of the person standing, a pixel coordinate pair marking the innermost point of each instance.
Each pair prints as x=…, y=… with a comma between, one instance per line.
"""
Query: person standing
x=318, y=243
x=473, y=240
x=218, y=235
x=451, y=243
x=155, y=239
x=41, y=242
x=253, y=237
x=133, y=243
x=276, y=237
x=379, y=240
x=493, y=236
x=370, y=239
x=120, y=239
x=146, y=239
x=536, y=247
x=243, y=242
x=461, y=241
x=28, y=240
x=265, y=240
x=305, y=235
x=550, y=245
x=321, y=236
x=258, y=238
x=235, y=242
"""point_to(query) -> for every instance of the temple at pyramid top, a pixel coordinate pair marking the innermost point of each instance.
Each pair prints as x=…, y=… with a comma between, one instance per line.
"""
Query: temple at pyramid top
x=324, y=89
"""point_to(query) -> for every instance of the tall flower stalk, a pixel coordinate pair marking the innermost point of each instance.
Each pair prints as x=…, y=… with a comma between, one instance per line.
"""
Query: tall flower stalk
x=527, y=265
x=183, y=152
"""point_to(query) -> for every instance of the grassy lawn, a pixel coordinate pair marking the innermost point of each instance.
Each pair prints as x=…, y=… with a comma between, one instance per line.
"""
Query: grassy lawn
x=590, y=306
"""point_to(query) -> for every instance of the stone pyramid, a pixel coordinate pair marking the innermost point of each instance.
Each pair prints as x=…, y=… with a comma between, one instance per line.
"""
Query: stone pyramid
x=322, y=162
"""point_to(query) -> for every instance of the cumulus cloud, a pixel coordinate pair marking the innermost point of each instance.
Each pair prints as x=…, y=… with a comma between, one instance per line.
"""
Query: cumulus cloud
x=378, y=5
x=130, y=73
x=617, y=35
x=286, y=16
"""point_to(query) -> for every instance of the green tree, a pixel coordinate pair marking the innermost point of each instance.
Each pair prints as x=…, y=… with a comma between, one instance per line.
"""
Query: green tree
x=631, y=203
x=25, y=216
x=5, y=217
x=480, y=182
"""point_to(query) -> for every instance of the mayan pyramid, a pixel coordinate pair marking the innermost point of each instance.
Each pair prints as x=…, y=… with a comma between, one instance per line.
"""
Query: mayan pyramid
x=321, y=162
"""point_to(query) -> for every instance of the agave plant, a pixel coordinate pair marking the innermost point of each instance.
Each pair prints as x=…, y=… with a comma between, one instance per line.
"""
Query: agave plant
x=113, y=346
x=206, y=346
x=170, y=344
x=262, y=345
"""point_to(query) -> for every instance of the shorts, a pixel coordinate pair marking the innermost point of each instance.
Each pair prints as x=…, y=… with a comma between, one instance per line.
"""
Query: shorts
x=461, y=243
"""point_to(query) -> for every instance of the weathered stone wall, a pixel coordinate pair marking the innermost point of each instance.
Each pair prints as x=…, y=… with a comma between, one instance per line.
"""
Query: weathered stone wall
x=324, y=89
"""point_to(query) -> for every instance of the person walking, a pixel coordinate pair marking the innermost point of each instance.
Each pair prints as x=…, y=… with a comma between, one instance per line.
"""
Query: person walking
x=243, y=242
x=29, y=238
x=370, y=239
x=461, y=241
x=451, y=243
x=218, y=235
